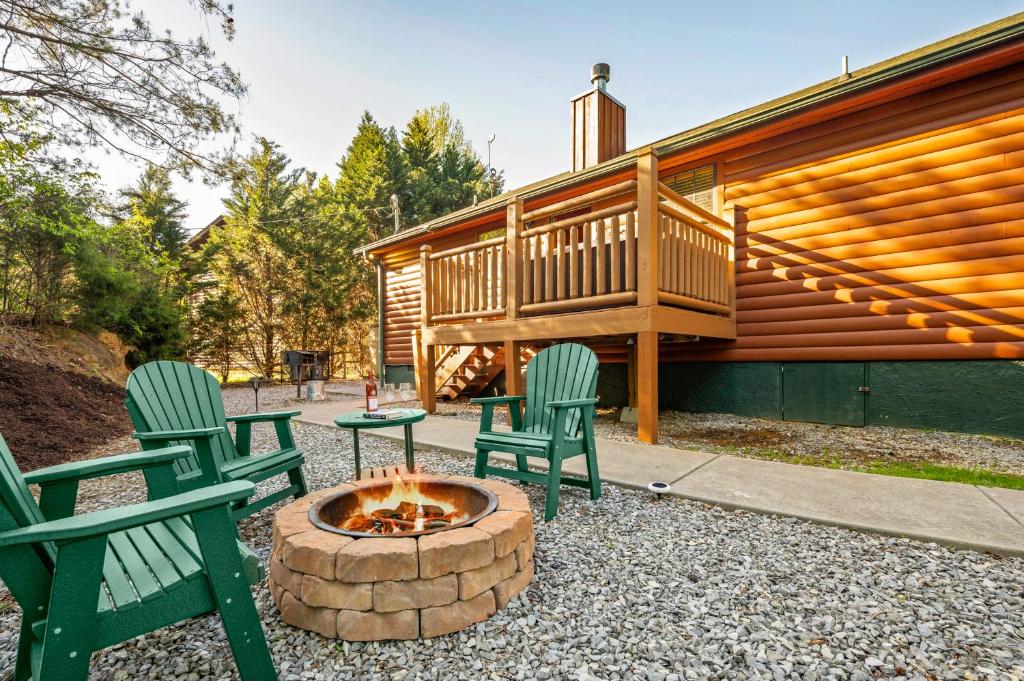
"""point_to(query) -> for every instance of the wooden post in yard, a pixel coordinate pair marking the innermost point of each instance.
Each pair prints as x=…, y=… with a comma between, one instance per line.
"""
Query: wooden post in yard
x=513, y=258
x=428, y=393
x=513, y=294
x=647, y=386
x=647, y=274
x=631, y=374
x=513, y=368
x=647, y=229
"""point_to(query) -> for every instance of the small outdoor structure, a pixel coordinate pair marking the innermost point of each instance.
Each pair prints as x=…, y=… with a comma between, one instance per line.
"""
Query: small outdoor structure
x=401, y=558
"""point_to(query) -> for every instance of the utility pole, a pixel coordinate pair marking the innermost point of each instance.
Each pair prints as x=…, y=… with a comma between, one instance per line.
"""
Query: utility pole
x=487, y=173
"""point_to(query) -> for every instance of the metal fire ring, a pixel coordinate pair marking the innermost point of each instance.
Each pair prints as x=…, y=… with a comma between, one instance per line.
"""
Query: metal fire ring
x=314, y=511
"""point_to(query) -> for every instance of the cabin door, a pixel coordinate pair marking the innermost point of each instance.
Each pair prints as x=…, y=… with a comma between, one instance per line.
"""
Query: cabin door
x=824, y=392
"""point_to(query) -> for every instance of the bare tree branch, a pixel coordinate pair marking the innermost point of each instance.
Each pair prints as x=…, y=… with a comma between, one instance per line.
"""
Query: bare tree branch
x=99, y=75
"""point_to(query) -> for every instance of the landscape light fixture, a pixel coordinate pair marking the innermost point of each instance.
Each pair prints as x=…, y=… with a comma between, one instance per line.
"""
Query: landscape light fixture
x=256, y=382
x=659, y=488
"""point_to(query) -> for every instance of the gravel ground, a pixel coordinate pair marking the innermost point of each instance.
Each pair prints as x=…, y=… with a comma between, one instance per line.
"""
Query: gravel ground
x=631, y=588
x=807, y=443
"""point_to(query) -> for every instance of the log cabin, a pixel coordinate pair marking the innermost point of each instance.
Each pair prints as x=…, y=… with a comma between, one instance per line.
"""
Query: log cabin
x=851, y=253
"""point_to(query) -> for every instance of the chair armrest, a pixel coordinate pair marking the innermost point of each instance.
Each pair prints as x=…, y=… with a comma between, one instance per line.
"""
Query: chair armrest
x=487, y=417
x=203, y=439
x=126, y=517
x=108, y=465
x=172, y=435
x=570, y=404
x=498, y=400
x=264, y=416
x=282, y=426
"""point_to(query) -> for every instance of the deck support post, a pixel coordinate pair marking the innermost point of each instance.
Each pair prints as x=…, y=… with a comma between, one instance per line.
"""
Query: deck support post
x=513, y=258
x=427, y=364
x=647, y=386
x=429, y=395
x=514, y=371
x=647, y=229
x=631, y=374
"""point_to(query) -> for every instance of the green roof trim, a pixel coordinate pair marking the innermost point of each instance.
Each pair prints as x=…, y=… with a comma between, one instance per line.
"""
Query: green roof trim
x=947, y=50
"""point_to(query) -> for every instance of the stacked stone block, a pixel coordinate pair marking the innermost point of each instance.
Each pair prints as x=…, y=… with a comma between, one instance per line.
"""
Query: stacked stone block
x=371, y=589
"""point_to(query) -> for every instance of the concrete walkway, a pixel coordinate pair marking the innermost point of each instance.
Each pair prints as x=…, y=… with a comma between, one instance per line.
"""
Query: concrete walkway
x=967, y=516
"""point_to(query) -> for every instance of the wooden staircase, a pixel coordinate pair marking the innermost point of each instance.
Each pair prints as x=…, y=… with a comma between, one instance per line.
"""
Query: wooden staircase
x=465, y=370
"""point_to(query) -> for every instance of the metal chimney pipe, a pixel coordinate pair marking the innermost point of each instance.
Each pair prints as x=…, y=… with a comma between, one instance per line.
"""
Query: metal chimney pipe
x=600, y=74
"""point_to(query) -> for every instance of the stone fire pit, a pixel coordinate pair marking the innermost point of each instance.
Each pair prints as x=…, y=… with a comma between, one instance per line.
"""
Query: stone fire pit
x=400, y=587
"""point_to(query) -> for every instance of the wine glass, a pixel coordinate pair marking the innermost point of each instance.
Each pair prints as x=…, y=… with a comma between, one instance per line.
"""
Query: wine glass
x=389, y=392
x=405, y=391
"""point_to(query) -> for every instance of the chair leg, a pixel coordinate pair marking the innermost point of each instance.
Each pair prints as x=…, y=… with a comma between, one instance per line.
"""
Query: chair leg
x=295, y=477
x=592, y=474
x=554, y=487
x=216, y=534
x=70, y=631
x=521, y=464
x=481, y=464
x=23, y=664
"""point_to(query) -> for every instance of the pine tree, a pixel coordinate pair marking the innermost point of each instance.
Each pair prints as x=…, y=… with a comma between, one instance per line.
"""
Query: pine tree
x=372, y=170
x=445, y=172
x=153, y=199
x=245, y=254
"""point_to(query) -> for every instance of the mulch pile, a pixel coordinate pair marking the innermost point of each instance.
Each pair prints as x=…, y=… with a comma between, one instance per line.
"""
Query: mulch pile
x=49, y=415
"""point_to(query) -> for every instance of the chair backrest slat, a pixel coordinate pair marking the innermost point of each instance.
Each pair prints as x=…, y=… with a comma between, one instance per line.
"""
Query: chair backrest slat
x=26, y=570
x=177, y=396
x=562, y=372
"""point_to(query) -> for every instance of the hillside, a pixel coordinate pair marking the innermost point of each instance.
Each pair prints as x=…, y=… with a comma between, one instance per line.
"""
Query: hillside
x=61, y=393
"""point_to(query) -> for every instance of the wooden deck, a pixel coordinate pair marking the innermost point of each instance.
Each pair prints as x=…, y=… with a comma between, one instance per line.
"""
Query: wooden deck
x=633, y=260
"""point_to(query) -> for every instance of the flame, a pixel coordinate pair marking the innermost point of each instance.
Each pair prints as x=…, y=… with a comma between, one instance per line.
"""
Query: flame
x=403, y=507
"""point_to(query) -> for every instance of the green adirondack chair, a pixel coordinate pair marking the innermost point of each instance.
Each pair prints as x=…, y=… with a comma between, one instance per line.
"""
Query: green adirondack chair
x=86, y=582
x=168, y=403
x=557, y=422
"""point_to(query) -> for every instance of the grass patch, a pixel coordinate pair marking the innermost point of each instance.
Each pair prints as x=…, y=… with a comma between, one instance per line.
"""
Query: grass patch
x=930, y=471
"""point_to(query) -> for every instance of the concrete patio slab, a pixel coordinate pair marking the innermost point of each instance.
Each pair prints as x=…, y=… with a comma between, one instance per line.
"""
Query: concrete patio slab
x=1010, y=500
x=945, y=512
x=984, y=519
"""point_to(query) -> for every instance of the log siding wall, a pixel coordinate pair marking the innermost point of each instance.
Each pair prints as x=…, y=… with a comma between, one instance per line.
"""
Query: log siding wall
x=893, y=233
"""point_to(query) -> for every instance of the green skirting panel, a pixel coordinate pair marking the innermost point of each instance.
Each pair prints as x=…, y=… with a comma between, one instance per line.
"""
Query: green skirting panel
x=971, y=396
x=399, y=373
x=744, y=388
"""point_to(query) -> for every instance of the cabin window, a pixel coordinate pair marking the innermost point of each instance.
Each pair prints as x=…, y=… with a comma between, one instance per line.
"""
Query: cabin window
x=696, y=185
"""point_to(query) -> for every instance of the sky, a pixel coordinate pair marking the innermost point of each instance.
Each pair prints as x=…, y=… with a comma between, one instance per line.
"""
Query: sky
x=510, y=68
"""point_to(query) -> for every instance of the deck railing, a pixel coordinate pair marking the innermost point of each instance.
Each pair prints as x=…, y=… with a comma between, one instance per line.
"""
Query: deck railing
x=582, y=253
x=694, y=255
x=582, y=261
x=467, y=282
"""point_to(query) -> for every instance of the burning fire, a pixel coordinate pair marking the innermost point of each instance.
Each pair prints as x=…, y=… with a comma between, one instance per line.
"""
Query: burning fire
x=405, y=508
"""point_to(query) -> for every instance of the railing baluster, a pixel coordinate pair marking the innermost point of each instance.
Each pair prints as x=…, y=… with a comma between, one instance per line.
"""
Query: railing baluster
x=588, y=257
x=526, y=274
x=631, y=251
x=549, y=265
x=680, y=255
x=574, y=262
x=537, y=260
x=495, y=258
x=481, y=279
x=702, y=240
x=616, y=255
x=661, y=236
x=602, y=279
x=560, y=262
